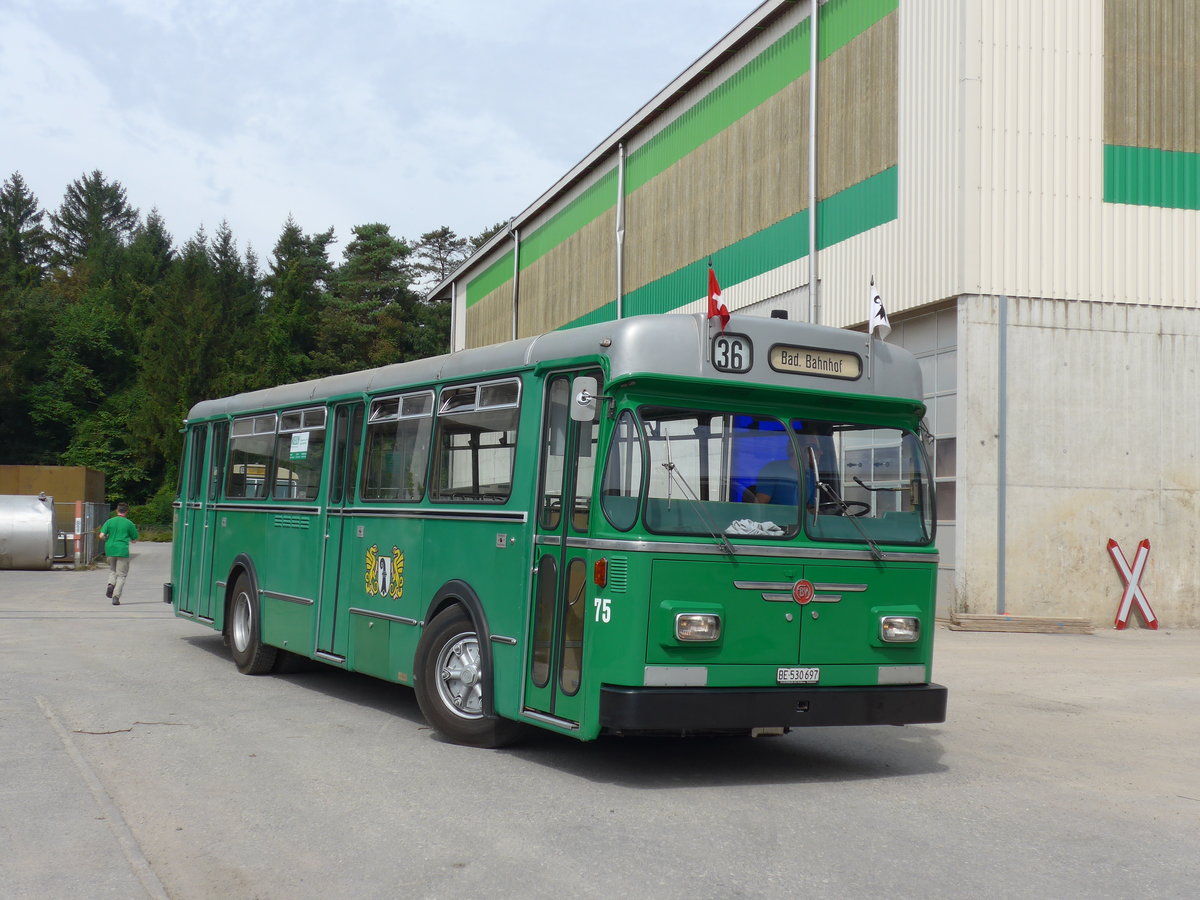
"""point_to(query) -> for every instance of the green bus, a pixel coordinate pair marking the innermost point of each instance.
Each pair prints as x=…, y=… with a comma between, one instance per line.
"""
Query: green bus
x=639, y=526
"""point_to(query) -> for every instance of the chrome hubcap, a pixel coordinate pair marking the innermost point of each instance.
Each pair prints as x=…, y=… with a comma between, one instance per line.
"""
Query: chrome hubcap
x=459, y=676
x=240, y=628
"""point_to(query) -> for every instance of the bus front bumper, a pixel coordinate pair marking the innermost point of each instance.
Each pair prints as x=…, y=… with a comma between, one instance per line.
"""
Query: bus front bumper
x=672, y=710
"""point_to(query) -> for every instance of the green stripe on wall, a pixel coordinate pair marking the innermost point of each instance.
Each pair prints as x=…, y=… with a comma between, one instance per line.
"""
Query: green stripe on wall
x=1145, y=176
x=589, y=206
x=762, y=78
x=489, y=279
x=756, y=82
x=859, y=208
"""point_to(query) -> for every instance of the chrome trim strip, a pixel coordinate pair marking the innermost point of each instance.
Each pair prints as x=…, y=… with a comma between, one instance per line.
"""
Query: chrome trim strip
x=185, y=612
x=329, y=657
x=403, y=620
x=788, y=585
x=289, y=598
x=551, y=720
x=788, y=598
x=776, y=552
x=220, y=584
x=502, y=639
x=460, y=515
x=207, y=619
x=549, y=540
x=265, y=508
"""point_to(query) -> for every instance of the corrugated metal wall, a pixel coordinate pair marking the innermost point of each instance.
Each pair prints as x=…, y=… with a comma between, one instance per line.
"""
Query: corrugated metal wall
x=723, y=176
x=1047, y=74
x=1021, y=148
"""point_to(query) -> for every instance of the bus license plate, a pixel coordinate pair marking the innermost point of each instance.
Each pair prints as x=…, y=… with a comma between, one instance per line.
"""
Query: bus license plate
x=798, y=675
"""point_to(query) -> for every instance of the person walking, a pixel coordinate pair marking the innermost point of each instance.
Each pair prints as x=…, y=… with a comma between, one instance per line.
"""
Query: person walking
x=118, y=533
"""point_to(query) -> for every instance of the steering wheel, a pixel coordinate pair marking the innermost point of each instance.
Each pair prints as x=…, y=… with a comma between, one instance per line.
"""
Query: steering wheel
x=852, y=508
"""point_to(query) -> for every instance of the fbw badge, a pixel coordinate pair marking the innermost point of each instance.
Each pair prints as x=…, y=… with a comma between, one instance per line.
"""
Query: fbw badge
x=385, y=574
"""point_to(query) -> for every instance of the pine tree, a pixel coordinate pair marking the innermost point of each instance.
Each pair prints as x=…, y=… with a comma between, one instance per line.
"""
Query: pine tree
x=94, y=211
x=240, y=299
x=24, y=243
x=178, y=363
x=438, y=253
x=374, y=277
x=296, y=290
x=474, y=243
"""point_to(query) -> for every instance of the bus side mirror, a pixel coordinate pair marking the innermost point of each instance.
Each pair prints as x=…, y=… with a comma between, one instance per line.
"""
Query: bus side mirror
x=584, y=399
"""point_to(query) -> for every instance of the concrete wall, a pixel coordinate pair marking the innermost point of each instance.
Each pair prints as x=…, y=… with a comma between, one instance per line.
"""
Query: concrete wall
x=1101, y=442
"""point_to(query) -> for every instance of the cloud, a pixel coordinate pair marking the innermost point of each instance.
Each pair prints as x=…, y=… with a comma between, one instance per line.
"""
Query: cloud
x=415, y=113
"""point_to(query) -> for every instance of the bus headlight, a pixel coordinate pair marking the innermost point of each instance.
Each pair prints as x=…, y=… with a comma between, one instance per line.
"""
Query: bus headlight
x=697, y=626
x=900, y=629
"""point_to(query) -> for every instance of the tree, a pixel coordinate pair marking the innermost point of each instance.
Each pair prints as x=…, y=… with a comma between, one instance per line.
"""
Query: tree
x=24, y=243
x=177, y=360
x=438, y=253
x=94, y=211
x=375, y=276
x=24, y=250
x=296, y=289
x=486, y=235
x=240, y=299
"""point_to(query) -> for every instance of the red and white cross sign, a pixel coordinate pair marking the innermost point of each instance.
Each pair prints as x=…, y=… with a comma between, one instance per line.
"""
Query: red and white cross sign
x=1133, y=590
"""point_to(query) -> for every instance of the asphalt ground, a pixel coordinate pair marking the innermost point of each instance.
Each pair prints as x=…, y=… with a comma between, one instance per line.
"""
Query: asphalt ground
x=136, y=762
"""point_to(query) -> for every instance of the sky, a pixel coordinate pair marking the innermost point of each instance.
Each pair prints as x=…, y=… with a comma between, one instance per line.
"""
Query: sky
x=414, y=113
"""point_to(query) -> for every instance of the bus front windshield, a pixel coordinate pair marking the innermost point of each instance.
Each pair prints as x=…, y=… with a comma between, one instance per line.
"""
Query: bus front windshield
x=735, y=475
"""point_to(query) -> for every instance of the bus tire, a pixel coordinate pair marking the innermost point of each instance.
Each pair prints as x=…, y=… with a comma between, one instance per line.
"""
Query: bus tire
x=452, y=685
x=250, y=654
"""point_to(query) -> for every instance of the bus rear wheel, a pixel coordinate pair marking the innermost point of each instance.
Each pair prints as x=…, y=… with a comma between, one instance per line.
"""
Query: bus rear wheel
x=452, y=685
x=250, y=654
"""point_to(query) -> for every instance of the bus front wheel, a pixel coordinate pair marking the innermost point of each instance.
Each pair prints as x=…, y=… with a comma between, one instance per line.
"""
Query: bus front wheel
x=452, y=684
x=250, y=654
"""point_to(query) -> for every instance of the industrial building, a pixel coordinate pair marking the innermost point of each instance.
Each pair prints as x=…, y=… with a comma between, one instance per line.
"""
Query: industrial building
x=1021, y=181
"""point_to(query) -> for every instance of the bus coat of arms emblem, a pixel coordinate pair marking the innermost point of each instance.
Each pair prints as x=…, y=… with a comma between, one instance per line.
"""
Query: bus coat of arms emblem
x=385, y=574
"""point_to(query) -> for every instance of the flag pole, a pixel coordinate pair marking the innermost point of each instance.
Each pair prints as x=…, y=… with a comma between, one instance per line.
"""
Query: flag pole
x=870, y=338
x=708, y=322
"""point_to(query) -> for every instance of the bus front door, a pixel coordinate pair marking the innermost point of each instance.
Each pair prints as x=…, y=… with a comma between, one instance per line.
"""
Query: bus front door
x=556, y=629
x=333, y=606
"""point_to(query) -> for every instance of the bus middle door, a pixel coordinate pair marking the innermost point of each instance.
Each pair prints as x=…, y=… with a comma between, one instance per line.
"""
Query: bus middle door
x=556, y=639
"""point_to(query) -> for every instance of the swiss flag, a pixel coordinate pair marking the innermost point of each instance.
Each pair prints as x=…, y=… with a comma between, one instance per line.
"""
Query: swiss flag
x=716, y=309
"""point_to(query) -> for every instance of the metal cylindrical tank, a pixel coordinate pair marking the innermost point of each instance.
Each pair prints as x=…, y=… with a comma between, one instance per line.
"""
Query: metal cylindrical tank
x=26, y=531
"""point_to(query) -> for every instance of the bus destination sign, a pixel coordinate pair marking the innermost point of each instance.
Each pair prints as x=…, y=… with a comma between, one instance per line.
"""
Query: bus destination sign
x=814, y=361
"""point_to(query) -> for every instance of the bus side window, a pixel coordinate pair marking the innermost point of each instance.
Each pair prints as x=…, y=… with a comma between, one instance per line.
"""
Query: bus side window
x=398, y=430
x=476, y=442
x=299, y=453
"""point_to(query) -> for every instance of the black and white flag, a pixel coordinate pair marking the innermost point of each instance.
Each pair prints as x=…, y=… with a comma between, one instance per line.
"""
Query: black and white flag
x=879, y=317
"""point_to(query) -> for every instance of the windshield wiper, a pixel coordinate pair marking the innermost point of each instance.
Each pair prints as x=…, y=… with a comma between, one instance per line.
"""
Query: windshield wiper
x=874, y=490
x=672, y=474
x=842, y=505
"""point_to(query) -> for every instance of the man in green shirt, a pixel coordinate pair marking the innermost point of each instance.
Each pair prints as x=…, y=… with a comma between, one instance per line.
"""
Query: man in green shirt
x=118, y=533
